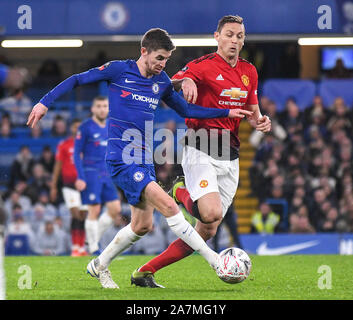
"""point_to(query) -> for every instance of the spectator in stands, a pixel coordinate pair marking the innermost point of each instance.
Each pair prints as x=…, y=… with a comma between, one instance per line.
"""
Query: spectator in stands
x=5, y=130
x=16, y=198
x=291, y=117
x=339, y=70
x=328, y=223
x=21, y=168
x=59, y=128
x=340, y=118
x=18, y=225
x=316, y=110
x=40, y=182
x=49, y=242
x=47, y=160
x=318, y=206
x=43, y=199
x=18, y=106
x=265, y=221
x=37, y=217
x=36, y=132
x=59, y=227
x=300, y=224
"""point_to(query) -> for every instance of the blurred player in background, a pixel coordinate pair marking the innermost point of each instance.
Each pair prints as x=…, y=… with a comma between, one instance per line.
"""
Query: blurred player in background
x=13, y=77
x=65, y=170
x=135, y=90
x=221, y=79
x=93, y=180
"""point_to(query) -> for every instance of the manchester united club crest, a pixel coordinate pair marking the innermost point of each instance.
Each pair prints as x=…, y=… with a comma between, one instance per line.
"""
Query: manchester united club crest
x=203, y=183
x=245, y=80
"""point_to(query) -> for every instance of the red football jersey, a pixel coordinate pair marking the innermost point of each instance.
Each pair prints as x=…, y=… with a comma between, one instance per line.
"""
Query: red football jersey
x=221, y=86
x=65, y=154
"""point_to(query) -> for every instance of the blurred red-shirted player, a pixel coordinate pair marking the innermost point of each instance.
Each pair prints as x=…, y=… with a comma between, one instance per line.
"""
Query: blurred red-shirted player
x=222, y=80
x=65, y=169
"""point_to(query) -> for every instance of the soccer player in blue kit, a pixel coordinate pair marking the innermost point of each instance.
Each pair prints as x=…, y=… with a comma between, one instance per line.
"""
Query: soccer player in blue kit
x=93, y=179
x=135, y=89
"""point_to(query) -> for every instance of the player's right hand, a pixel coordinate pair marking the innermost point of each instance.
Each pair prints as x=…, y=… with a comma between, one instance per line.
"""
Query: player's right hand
x=80, y=185
x=189, y=90
x=37, y=113
x=239, y=113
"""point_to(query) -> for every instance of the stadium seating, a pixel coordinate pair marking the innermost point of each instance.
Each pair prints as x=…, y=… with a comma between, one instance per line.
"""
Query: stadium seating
x=280, y=90
x=329, y=90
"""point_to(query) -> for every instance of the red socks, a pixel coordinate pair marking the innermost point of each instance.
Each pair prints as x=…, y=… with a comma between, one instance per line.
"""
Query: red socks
x=182, y=194
x=176, y=251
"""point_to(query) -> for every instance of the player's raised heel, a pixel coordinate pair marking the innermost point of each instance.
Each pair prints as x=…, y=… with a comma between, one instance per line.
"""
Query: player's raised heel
x=144, y=279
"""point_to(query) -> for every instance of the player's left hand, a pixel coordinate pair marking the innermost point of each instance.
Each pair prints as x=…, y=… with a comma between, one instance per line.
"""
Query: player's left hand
x=37, y=113
x=263, y=124
x=189, y=90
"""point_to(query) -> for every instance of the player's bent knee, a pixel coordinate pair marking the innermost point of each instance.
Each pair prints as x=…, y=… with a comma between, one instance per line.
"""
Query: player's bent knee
x=142, y=229
x=211, y=216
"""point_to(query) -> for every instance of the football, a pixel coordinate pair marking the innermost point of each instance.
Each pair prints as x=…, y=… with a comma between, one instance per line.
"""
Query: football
x=234, y=265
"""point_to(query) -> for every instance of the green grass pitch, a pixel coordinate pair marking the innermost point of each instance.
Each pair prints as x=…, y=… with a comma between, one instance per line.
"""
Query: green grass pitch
x=291, y=277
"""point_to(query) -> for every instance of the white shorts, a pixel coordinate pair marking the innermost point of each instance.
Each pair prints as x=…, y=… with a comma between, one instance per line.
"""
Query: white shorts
x=204, y=174
x=72, y=199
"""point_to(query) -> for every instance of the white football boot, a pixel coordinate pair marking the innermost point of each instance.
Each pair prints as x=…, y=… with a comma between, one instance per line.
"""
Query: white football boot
x=103, y=275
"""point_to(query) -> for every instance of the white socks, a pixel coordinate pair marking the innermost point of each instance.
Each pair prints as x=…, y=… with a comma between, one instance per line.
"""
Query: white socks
x=188, y=234
x=104, y=222
x=122, y=241
x=95, y=229
x=91, y=229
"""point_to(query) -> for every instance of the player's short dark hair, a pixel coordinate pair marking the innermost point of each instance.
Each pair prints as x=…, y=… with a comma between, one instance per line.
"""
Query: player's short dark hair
x=100, y=98
x=75, y=120
x=228, y=19
x=155, y=39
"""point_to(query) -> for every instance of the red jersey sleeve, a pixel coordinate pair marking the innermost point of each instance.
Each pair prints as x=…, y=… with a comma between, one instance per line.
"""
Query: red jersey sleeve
x=192, y=70
x=253, y=91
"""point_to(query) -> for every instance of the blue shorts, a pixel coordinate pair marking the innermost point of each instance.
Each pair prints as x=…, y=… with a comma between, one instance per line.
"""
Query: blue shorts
x=99, y=189
x=131, y=179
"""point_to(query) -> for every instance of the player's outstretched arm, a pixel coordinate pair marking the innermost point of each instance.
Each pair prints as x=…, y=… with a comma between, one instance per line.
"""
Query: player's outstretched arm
x=185, y=110
x=105, y=72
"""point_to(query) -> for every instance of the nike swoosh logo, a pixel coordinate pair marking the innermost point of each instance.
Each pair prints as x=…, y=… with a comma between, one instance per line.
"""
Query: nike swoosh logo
x=185, y=230
x=265, y=251
x=129, y=81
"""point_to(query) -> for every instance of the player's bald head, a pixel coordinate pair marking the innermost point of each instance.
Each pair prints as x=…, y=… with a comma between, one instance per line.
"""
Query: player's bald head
x=229, y=19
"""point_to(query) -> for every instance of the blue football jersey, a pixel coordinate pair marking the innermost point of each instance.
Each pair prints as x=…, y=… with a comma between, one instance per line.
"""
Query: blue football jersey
x=91, y=143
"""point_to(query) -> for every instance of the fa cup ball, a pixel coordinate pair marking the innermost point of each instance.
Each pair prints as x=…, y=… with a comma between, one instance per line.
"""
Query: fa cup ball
x=233, y=265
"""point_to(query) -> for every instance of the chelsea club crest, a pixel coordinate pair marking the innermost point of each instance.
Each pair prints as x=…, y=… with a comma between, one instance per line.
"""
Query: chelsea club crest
x=155, y=88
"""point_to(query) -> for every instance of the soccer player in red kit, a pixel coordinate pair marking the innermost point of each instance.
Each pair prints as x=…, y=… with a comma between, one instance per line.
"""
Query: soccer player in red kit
x=65, y=168
x=223, y=80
